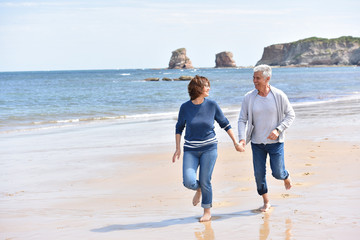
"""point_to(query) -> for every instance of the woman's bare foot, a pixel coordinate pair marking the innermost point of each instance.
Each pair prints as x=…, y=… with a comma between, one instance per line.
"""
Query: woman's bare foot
x=287, y=183
x=207, y=215
x=197, y=196
x=266, y=207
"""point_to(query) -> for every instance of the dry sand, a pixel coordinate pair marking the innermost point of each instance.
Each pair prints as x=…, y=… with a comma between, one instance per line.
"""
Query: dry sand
x=147, y=200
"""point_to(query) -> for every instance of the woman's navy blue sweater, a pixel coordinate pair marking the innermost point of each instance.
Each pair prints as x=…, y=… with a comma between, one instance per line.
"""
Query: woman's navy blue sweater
x=199, y=122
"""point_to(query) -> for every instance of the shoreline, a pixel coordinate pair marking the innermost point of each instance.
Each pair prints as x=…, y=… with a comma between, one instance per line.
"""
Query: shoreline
x=229, y=111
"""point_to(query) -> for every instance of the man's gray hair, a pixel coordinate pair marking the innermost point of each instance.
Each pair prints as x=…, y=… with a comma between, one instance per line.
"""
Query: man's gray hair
x=265, y=69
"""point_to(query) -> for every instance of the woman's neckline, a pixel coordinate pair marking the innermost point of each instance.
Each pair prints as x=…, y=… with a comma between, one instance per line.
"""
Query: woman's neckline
x=197, y=104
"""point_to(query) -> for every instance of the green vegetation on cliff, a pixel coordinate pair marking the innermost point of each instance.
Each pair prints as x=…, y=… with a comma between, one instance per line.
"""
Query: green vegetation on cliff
x=329, y=40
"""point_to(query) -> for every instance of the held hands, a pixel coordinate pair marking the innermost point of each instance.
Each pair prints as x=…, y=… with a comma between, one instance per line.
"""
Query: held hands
x=274, y=135
x=240, y=147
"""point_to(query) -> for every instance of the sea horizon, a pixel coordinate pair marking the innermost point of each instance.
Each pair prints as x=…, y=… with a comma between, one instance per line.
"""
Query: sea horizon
x=166, y=68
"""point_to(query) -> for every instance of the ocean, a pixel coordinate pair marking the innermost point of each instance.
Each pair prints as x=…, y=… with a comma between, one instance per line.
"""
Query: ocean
x=35, y=101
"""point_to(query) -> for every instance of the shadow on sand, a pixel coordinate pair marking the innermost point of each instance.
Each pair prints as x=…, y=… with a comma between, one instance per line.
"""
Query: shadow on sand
x=174, y=221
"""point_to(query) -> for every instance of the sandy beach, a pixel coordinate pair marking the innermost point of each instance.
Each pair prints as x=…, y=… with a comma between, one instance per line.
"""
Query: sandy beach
x=69, y=184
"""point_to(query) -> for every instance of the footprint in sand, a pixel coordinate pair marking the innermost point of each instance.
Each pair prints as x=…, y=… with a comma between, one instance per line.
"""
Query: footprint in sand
x=307, y=174
x=287, y=195
x=13, y=194
x=308, y=164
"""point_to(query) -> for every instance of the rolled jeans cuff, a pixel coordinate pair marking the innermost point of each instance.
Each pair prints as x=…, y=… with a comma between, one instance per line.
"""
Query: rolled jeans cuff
x=288, y=174
x=206, y=205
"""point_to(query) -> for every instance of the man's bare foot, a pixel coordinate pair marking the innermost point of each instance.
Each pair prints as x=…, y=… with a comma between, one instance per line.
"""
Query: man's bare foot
x=287, y=183
x=197, y=196
x=265, y=208
x=207, y=215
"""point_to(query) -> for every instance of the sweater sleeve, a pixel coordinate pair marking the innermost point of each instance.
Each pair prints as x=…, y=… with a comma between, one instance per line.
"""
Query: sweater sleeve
x=180, y=125
x=289, y=114
x=221, y=119
x=243, y=118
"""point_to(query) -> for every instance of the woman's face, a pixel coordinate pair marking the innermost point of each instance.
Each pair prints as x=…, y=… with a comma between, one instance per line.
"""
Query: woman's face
x=206, y=91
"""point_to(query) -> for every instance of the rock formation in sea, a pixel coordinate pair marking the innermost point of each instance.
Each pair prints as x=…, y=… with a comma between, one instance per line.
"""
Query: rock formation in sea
x=179, y=60
x=313, y=51
x=224, y=59
x=185, y=78
x=152, y=79
x=181, y=78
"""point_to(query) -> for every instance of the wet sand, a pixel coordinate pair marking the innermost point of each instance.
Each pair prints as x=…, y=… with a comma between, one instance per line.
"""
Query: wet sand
x=69, y=191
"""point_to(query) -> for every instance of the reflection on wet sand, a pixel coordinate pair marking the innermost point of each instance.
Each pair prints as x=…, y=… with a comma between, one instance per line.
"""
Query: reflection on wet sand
x=207, y=233
x=288, y=229
x=264, y=230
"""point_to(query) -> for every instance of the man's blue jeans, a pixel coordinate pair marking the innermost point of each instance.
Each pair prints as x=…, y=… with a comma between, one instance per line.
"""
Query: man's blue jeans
x=276, y=153
x=206, y=160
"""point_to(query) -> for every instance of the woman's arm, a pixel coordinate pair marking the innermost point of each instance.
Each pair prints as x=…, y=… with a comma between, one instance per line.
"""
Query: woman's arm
x=178, y=149
x=238, y=147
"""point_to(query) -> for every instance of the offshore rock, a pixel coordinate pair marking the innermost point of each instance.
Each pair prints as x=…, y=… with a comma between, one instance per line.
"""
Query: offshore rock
x=313, y=51
x=185, y=78
x=224, y=59
x=179, y=60
x=152, y=79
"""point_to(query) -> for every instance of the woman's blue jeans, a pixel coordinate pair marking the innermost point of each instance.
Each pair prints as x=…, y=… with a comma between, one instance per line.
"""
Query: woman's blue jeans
x=277, y=164
x=206, y=161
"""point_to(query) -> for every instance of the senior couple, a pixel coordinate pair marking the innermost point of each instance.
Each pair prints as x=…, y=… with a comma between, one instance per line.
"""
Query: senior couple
x=265, y=114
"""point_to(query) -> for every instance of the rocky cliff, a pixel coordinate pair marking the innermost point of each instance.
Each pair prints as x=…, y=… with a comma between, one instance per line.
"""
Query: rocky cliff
x=313, y=51
x=224, y=59
x=179, y=60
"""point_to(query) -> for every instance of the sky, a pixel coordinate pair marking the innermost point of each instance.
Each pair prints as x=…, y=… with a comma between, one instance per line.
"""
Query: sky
x=107, y=34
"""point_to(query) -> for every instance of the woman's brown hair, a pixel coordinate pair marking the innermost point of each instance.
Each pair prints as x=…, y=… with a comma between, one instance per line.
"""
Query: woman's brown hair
x=196, y=86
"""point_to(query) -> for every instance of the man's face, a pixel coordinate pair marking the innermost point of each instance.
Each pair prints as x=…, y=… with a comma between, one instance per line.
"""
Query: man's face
x=259, y=80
